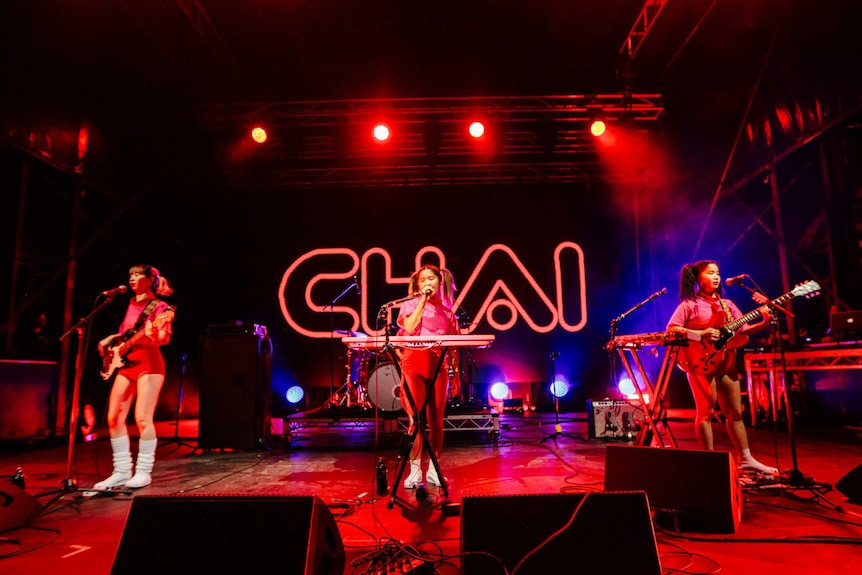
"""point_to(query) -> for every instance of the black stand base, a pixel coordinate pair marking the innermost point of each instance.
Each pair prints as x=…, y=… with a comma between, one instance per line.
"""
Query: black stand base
x=796, y=481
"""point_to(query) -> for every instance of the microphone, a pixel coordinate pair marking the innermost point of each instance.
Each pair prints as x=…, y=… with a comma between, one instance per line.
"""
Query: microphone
x=356, y=285
x=115, y=291
x=555, y=354
x=401, y=300
x=735, y=279
x=427, y=291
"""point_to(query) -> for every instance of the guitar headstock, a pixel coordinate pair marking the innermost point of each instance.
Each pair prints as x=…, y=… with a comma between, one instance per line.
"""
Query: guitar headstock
x=807, y=289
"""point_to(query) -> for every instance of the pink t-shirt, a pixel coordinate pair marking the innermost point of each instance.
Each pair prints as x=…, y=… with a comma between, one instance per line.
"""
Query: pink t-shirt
x=133, y=312
x=437, y=319
x=699, y=311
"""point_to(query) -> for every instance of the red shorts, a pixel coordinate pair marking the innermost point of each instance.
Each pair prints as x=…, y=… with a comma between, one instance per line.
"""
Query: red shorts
x=141, y=361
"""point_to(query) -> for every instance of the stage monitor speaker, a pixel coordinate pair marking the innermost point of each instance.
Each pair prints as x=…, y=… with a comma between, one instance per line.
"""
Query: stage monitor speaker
x=17, y=507
x=851, y=485
x=700, y=487
x=289, y=535
x=235, y=387
x=611, y=533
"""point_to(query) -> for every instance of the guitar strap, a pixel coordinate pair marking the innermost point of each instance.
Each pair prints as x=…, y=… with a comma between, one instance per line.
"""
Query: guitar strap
x=143, y=317
x=725, y=308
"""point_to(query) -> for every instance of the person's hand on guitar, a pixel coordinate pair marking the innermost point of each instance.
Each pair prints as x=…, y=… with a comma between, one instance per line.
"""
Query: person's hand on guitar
x=105, y=344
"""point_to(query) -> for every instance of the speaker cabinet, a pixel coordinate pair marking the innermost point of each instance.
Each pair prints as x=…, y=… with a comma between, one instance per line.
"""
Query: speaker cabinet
x=588, y=534
x=700, y=486
x=289, y=535
x=17, y=507
x=851, y=485
x=235, y=386
x=28, y=391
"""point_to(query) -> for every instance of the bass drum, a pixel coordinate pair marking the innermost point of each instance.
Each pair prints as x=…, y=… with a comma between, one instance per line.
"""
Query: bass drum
x=384, y=388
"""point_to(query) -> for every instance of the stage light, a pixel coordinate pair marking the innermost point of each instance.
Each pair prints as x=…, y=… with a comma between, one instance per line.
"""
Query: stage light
x=381, y=132
x=294, y=394
x=499, y=391
x=598, y=128
x=258, y=134
x=559, y=388
x=476, y=129
x=626, y=386
x=629, y=391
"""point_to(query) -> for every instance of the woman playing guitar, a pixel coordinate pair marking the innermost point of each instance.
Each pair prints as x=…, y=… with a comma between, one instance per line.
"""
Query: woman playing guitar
x=133, y=355
x=701, y=313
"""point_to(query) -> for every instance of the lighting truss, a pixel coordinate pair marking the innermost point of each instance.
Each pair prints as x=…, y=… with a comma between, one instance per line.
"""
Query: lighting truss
x=328, y=144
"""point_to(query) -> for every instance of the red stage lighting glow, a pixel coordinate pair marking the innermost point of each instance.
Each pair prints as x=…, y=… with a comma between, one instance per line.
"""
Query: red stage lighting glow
x=258, y=134
x=598, y=128
x=477, y=129
x=381, y=132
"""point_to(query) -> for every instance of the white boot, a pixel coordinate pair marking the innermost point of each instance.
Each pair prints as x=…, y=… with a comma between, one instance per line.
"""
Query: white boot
x=122, y=464
x=415, y=478
x=144, y=465
x=432, y=477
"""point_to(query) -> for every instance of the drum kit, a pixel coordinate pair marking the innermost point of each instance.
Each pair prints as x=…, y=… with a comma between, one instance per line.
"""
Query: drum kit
x=372, y=380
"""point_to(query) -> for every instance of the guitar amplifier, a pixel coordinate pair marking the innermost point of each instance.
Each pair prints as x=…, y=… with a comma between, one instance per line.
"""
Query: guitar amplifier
x=611, y=419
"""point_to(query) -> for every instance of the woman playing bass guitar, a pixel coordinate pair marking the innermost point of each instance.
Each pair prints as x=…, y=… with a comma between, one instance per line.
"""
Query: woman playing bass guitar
x=141, y=373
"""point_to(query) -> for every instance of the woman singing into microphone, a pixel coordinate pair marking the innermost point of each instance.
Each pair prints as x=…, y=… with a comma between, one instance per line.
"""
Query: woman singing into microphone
x=429, y=313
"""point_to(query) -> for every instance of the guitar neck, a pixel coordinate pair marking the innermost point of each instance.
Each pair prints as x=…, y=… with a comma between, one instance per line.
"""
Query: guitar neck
x=737, y=323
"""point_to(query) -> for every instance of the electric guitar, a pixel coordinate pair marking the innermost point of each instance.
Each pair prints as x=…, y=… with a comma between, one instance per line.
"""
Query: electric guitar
x=115, y=356
x=705, y=357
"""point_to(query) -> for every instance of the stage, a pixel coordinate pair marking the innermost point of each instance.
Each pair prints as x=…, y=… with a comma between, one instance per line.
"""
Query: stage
x=782, y=530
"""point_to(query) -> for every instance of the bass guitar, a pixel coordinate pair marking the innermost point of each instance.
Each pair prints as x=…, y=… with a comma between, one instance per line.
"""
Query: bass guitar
x=705, y=357
x=116, y=355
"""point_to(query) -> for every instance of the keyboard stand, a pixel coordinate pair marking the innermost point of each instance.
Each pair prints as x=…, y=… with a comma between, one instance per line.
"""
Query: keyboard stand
x=419, y=420
x=655, y=411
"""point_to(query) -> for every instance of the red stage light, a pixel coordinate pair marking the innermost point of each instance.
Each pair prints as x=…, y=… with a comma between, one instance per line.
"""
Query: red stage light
x=258, y=134
x=477, y=129
x=381, y=132
x=598, y=128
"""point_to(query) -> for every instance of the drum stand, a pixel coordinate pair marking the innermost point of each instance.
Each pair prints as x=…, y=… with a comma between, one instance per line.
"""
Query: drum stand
x=351, y=394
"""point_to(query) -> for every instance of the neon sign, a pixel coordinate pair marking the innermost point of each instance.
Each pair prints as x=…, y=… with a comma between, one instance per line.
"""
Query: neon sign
x=569, y=284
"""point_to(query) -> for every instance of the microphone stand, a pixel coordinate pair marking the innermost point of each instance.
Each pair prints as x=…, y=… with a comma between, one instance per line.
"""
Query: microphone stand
x=615, y=324
x=68, y=484
x=330, y=403
x=558, y=428
x=176, y=439
x=796, y=480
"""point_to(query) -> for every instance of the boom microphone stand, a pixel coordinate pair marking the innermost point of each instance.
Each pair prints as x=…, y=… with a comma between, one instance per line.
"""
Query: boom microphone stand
x=796, y=480
x=333, y=399
x=68, y=484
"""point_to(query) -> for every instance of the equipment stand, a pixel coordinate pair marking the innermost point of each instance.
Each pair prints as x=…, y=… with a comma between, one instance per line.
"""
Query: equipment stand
x=68, y=484
x=335, y=397
x=558, y=428
x=796, y=480
x=176, y=439
x=418, y=426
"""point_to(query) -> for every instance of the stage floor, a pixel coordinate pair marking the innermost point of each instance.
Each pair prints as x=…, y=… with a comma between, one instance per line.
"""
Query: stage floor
x=785, y=531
